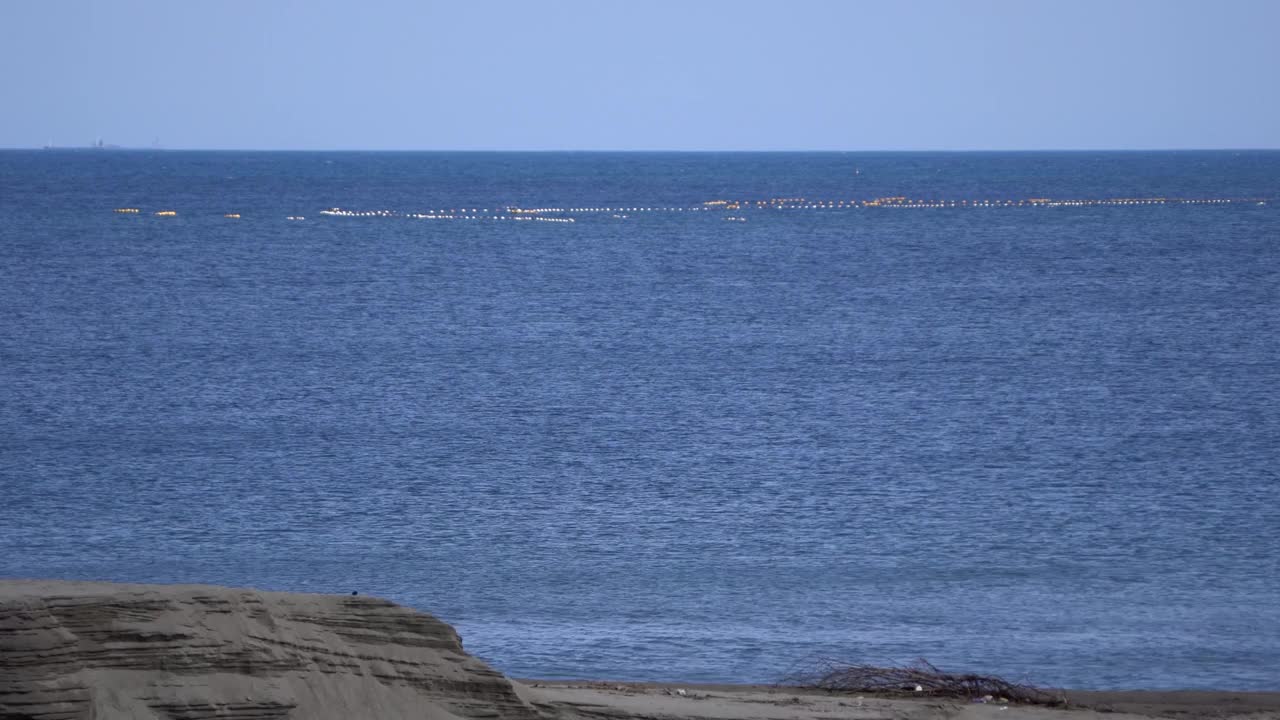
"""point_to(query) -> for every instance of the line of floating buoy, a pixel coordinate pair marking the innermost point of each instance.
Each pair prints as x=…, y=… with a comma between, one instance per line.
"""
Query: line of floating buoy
x=905, y=202
x=734, y=210
x=360, y=213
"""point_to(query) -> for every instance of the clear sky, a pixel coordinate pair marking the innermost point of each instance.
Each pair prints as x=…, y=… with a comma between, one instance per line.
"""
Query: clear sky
x=642, y=75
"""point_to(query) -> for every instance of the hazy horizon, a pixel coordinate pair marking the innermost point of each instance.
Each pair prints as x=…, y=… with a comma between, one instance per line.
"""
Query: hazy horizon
x=924, y=75
x=640, y=151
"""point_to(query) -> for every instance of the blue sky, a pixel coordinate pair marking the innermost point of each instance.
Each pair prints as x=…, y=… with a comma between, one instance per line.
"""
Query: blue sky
x=743, y=75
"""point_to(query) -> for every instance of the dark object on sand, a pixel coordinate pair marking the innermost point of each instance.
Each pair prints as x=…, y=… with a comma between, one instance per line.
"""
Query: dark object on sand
x=918, y=679
x=355, y=592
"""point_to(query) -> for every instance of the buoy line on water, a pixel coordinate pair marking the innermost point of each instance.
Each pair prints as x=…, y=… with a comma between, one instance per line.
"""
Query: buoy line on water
x=735, y=210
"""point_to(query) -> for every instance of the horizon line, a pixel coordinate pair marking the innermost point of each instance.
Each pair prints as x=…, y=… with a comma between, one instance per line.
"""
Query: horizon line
x=637, y=151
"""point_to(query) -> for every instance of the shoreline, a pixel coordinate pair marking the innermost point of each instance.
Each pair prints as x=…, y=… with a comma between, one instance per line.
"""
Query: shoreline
x=81, y=650
x=720, y=700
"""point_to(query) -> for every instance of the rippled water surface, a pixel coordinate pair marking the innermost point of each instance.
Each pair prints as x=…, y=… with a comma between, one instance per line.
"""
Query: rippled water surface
x=656, y=444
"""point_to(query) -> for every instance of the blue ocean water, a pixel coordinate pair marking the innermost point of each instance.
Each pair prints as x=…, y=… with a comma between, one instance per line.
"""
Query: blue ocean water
x=656, y=443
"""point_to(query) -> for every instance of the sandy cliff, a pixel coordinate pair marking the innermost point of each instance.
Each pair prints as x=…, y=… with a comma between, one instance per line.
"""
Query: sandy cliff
x=98, y=650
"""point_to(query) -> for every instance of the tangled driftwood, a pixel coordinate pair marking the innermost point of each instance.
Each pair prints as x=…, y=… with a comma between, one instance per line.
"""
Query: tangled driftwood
x=919, y=678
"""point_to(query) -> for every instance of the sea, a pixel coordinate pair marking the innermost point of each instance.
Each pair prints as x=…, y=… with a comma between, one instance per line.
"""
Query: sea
x=668, y=416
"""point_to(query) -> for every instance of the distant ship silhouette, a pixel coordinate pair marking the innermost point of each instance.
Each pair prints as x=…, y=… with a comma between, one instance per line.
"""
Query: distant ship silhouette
x=95, y=145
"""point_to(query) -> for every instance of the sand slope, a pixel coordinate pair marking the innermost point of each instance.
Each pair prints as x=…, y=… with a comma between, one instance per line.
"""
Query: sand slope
x=97, y=650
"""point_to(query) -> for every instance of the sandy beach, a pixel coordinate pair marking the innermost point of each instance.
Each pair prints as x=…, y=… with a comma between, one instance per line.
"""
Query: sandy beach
x=656, y=700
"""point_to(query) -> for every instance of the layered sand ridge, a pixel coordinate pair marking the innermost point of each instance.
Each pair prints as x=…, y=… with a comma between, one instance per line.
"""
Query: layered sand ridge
x=187, y=652
x=102, y=651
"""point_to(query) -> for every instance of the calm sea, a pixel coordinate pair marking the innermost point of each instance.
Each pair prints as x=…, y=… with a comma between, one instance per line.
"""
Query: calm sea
x=657, y=443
